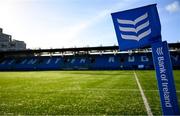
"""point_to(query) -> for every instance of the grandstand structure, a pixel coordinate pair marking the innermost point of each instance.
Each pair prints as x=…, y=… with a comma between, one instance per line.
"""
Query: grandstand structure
x=84, y=58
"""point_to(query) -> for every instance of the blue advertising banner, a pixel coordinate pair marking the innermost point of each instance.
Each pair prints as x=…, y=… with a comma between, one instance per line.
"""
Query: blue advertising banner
x=138, y=27
x=164, y=74
x=141, y=27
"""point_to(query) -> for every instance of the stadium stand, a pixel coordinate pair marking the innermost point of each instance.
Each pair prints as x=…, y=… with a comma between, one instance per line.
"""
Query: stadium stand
x=88, y=58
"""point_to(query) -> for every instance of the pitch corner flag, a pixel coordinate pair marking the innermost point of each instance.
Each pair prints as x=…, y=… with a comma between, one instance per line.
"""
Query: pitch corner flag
x=138, y=27
x=141, y=27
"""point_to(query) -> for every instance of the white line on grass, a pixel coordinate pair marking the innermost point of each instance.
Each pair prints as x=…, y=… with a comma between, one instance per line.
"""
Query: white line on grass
x=148, y=109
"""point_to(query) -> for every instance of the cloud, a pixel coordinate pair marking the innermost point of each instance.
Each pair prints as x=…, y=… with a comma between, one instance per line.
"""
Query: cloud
x=173, y=7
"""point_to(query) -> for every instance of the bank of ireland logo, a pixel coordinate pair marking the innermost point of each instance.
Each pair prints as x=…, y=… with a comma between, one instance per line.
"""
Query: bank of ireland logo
x=159, y=51
x=134, y=29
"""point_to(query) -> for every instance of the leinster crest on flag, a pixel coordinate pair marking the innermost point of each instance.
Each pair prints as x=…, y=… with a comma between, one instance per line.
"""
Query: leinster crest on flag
x=138, y=27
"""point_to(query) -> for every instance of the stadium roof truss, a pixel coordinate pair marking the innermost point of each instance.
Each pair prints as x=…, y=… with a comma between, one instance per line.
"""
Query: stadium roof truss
x=80, y=51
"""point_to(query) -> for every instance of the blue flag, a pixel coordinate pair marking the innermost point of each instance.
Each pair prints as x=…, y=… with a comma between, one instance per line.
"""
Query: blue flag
x=141, y=27
x=138, y=27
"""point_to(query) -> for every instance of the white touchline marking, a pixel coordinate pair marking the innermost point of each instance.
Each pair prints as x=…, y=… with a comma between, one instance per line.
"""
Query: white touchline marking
x=148, y=109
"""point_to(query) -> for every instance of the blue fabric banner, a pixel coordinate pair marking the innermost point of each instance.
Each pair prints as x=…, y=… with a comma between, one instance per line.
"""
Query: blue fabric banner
x=137, y=27
x=164, y=75
x=141, y=27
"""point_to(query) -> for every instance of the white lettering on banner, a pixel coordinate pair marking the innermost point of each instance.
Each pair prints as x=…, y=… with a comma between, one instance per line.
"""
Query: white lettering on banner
x=57, y=60
x=131, y=59
x=111, y=59
x=32, y=61
x=82, y=60
x=24, y=61
x=49, y=60
x=176, y=58
x=144, y=59
x=163, y=76
x=4, y=62
x=11, y=62
x=72, y=61
x=166, y=94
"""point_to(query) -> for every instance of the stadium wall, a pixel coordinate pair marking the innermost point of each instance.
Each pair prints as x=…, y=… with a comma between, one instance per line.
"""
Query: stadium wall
x=120, y=61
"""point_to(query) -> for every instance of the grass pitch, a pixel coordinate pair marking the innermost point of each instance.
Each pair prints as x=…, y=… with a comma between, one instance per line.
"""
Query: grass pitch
x=79, y=92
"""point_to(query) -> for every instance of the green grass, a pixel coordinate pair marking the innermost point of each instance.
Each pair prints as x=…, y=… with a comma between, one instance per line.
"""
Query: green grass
x=79, y=92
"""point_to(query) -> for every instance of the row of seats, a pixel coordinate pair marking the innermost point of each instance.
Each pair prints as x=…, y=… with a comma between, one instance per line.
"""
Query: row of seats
x=96, y=62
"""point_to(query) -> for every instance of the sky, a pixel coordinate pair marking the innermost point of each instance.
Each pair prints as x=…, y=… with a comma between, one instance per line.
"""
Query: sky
x=77, y=23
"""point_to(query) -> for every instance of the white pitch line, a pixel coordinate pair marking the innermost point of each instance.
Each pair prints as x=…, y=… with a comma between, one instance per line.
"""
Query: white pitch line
x=148, y=109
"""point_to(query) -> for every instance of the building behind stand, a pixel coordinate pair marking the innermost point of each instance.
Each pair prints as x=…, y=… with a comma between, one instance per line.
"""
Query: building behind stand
x=8, y=44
